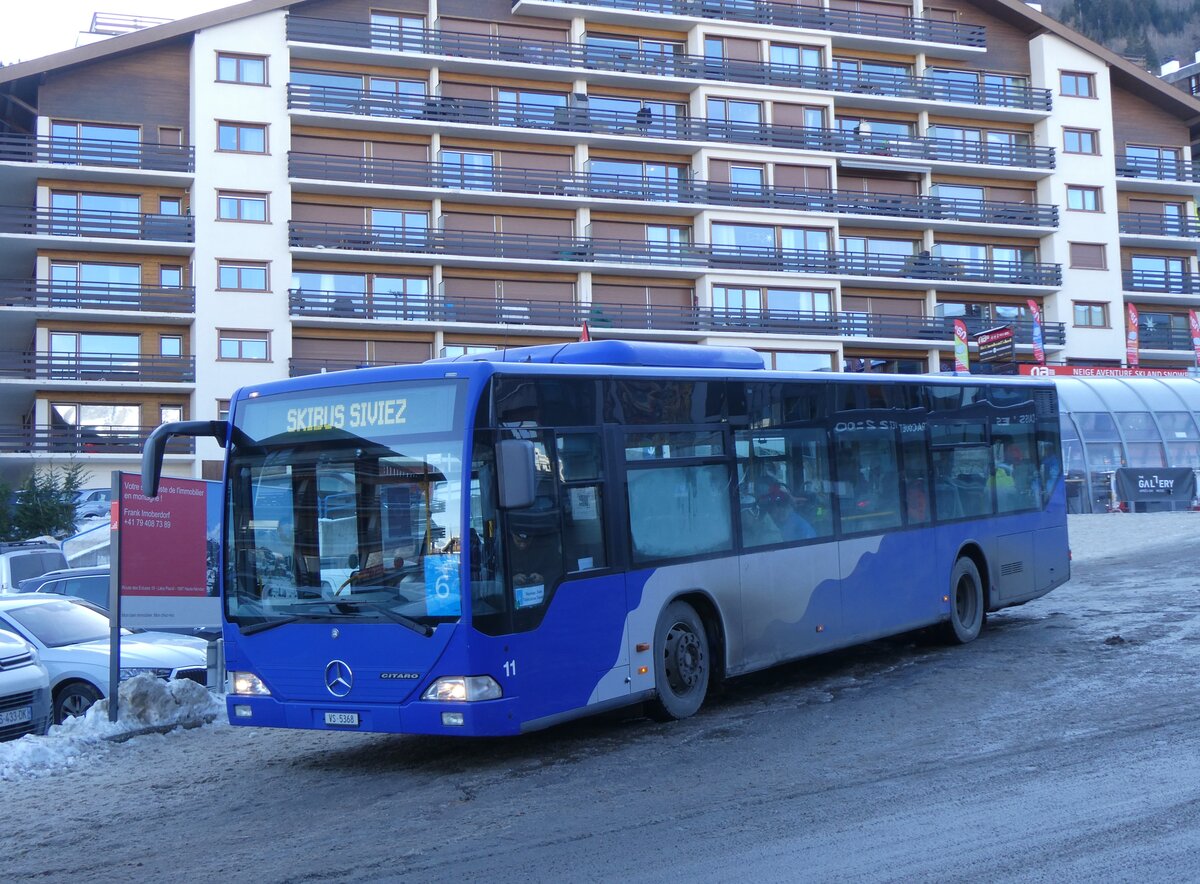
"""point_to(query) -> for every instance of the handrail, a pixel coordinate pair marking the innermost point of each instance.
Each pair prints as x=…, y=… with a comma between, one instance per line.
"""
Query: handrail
x=85, y=222
x=97, y=152
x=96, y=296
x=30, y=364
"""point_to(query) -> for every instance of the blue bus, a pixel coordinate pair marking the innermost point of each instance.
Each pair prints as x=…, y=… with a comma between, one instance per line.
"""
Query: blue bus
x=498, y=543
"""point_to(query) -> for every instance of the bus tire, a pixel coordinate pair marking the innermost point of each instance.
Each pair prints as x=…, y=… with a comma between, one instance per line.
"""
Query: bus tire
x=682, y=667
x=967, y=609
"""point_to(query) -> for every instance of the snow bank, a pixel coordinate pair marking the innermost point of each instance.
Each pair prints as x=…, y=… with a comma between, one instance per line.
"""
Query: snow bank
x=146, y=705
x=1107, y=535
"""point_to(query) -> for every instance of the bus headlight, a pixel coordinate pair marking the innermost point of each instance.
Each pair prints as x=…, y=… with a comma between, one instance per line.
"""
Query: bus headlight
x=248, y=685
x=463, y=689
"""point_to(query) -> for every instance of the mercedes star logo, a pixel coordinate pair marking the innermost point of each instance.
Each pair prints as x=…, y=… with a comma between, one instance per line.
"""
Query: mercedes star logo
x=338, y=678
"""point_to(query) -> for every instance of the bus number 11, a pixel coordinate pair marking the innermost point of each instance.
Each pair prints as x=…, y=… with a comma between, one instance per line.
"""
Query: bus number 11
x=510, y=668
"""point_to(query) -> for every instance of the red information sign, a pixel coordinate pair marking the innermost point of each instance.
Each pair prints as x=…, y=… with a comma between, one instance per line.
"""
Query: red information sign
x=1098, y=371
x=1131, y=335
x=162, y=539
x=1194, y=320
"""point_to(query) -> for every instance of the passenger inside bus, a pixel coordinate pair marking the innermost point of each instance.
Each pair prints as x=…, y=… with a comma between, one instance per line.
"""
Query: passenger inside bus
x=782, y=508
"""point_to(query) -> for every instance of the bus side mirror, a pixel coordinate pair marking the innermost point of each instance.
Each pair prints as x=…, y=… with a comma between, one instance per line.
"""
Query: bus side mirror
x=517, y=473
x=156, y=446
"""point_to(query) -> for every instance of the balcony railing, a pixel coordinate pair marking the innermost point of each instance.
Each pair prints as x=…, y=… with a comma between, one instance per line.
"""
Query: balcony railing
x=1165, y=339
x=85, y=440
x=116, y=225
x=299, y=366
x=97, y=367
x=538, y=247
x=1156, y=168
x=816, y=18
x=1149, y=224
x=566, y=314
x=96, y=296
x=97, y=152
x=413, y=173
x=677, y=65
x=1160, y=281
x=579, y=117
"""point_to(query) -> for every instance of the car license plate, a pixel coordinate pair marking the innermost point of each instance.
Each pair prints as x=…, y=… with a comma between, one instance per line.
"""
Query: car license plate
x=25, y=713
x=342, y=719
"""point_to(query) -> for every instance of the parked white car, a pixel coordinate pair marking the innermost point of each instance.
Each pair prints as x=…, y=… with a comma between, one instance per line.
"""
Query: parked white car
x=24, y=689
x=71, y=637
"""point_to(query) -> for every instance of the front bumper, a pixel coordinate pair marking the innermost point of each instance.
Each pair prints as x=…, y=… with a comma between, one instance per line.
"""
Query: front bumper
x=482, y=719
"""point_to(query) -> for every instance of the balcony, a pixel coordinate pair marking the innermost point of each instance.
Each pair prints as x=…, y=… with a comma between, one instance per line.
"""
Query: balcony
x=579, y=118
x=96, y=296
x=119, y=368
x=1157, y=225
x=109, y=225
x=1160, y=281
x=569, y=315
x=580, y=185
x=95, y=152
x=128, y=441
x=1156, y=169
x=547, y=53
x=1166, y=338
x=787, y=15
x=696, y=257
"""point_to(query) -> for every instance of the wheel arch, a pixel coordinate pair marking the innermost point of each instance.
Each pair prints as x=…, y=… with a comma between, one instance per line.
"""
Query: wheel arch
x=714, y=625
x=973, y=551
x=66, y=681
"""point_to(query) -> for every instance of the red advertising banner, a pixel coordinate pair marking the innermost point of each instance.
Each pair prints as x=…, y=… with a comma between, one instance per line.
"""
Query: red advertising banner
x=1131, y=335
x=163, y=550
x=1098, y=371
x=962, y=359
x=1194, y=321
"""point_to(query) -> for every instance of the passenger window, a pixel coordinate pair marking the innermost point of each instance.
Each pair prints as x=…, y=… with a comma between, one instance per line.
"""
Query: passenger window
x=1015, y=474
x=867, y=478
x=668, y=445
x=535, y=561
x=679, y=511
x=784, y=486
x=960, y=477
x=580, y=471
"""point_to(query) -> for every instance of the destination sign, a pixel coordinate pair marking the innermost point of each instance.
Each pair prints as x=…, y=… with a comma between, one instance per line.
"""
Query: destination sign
x=366, y=410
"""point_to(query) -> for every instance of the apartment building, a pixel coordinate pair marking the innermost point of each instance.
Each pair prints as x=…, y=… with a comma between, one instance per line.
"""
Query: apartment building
x=291, y=187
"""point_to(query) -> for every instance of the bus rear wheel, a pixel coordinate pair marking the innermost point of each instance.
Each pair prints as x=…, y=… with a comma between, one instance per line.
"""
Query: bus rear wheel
x=967, y=609
x=681, y=663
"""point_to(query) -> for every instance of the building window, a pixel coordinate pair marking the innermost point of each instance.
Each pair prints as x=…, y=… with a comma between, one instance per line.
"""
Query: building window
x=1091, y=315
x=243, y=346
x=780, y=360
x=249, y=70
x=1081, y=141
x=241, y=138
x=222, y=409
x=170, y=345
x=241, y=206
x=170, y=135
x=170, y=205
x=1088, y=256
x=170, y=277
x=169, y=414
x=729, y=110
x=1083, y=199
x=1077, y=85
x=241, y=277
x=453, y=350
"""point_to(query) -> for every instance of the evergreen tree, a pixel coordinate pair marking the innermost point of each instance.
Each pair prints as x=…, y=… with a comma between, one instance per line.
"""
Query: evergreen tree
x=44, y=505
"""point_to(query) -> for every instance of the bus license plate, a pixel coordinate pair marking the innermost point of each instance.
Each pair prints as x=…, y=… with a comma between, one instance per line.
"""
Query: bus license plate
x=343, y=719
x=16, y=716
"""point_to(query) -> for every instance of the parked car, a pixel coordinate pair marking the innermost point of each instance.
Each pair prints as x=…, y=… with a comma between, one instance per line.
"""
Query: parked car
x=24, y=689
x=32, y=558
x=92, y=502
x=91, y=585
x=72, y=639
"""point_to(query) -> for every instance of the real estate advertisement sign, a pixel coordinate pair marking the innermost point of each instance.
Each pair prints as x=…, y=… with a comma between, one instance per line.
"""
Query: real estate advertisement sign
x=165, y=553
x=997, y=344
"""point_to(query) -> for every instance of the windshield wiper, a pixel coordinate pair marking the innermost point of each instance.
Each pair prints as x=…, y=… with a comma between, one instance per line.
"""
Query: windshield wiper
x=394, y=616
x=264, y=625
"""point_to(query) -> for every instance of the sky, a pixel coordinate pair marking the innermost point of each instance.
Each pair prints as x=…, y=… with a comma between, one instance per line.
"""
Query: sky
x=35, y=29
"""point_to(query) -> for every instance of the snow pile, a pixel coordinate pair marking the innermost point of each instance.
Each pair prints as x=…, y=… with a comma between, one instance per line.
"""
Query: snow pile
x=146, y=705
x=1108, y=535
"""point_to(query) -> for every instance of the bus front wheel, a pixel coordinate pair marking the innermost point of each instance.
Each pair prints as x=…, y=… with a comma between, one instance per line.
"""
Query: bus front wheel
x=967, y=609
x=681, y=663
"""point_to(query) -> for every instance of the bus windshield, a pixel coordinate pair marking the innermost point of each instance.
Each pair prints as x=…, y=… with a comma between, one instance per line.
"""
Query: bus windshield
x=326, y=523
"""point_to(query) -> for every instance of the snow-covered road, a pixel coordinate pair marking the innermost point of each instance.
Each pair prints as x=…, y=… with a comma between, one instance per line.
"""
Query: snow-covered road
x=1063, y=745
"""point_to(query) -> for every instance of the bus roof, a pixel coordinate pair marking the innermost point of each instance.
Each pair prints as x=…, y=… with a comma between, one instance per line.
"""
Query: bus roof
x=633, y=354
